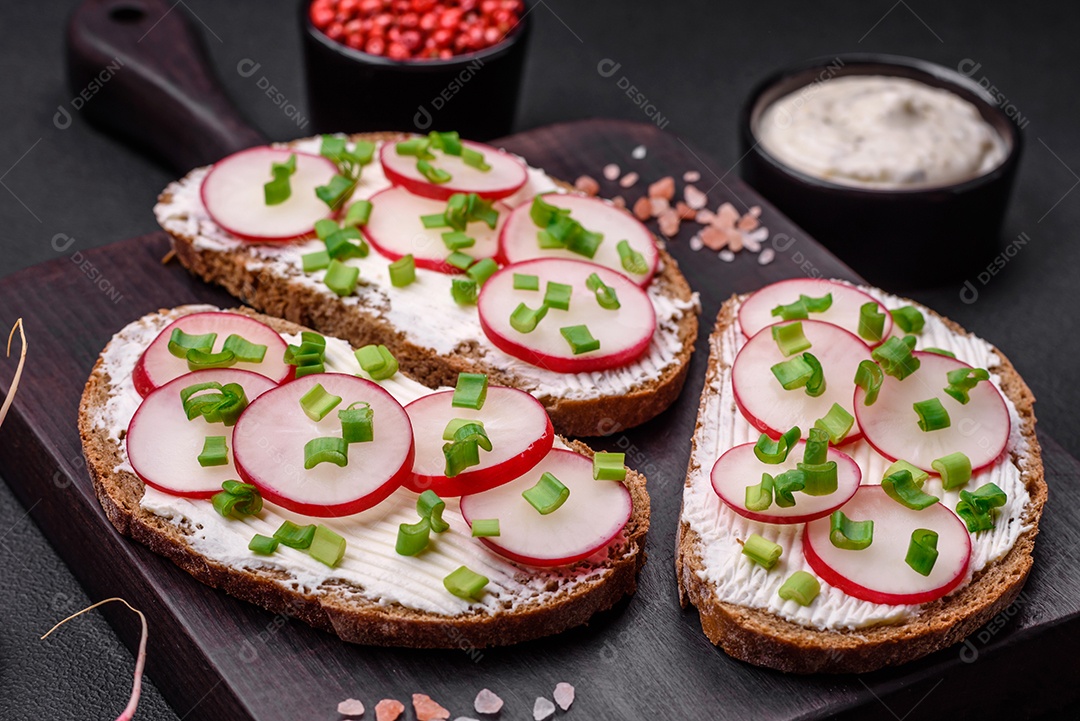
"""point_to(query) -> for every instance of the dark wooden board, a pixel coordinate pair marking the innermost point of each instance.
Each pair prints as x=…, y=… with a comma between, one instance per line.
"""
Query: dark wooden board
x=217, y=658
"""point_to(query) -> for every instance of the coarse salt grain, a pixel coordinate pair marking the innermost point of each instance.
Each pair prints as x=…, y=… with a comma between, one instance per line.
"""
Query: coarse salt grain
x=726, y=255
x=751, y=244
x=695, y=198
x=643, y=208
x=628, y=180
x=726, y=216
x=587, y=184
x=564, y=695
x=427, y=709
x=669, y=223
x=714, y=238
x=658, y=206
x=618, y=201
x=638, y=153
x=464, y=718
x=691, y=176
x=760, y=235
x=487, y=702
x=705, y=216
x=388, y=710
x=350, y=707
x=663, y=188
x=696, y=242
x=543, y=709
x=611, y=171
x=748, y=222
x=685, y=211
x=755, y=211
x=766, y=256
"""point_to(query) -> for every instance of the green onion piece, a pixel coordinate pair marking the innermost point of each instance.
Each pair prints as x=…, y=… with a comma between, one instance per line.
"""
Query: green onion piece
x=761, y=551
x=198, y=360
x=848, y=534
x=609, y=466
x=772, y=452
x=317, y=402
x=180, y=343
x=790, y=338
x=631, y=260
x=309, y=369
x=815, y=385
x=917, y=474
x=955, y=470
x=482, y=269
x=193, y=405
x=963, y=380
x=295, y=536
x=263, y=545
x=605, y=294
x=471, y=391
x=869, y=377
x=909, y=319
x=357, y=423
x=940, y=351
x=377, y=361
x=922, y=551
x=431, y=507
x=311, y=342
x=785, y=484
x=460, y=455
x=547, y=241
x=359, y=213
x=215, y=452
x=524, y=319
x=459, y=260
x=871, y=322
x=474, y=159
x=580, y=339
x=337, y=191
x=557, y=295
x=417, y=147
x=800, y=587
x=403, y=271
x=837, y=423
x=363, y=152
x=816, y=305
x=237, y=498
x=339, y=244
x=543, y=213
x=457, y=211
x=332, y=147
x=412, y=538
x=327, y=547
x=341, y=278
x=326, y=450
x=974, y=519
x=465, y=584
x=481, y=210
x=472, y=431
x=325, y=228
x=224, y=503
x=526, y=282
x=894, y=357
x=759, y=496
x=547, y=495
x=816, y=451
x=278, y=190
x=456, y=424
x=793, y=373
x=792, y=311
x=318, y=260
x=901, y=487
x=821, y=479
x=433, y=174
x=584, y=242
x=231, y=406
x=485, y=528
x=448, y=142
x=464, y=291
x=435, y=220
x=932, y=415
x=985, y=497
x=457, y=240
x=244, y=350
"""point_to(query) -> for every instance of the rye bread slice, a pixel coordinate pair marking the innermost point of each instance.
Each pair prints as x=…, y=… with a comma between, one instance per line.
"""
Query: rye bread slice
x=271, y=291
x=765, y=639
x=336, y=606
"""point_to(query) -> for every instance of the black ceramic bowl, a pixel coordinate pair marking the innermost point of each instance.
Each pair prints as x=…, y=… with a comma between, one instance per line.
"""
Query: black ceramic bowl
x=352, y=91
x=899, y=237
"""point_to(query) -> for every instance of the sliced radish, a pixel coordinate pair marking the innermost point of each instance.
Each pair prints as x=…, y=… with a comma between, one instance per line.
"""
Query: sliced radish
x=592, y=516
x=515, y=422
x=395, y=230
x=518, y=240
x=755, y=312
x=271, y=434
x=771, y=409
x=879, y=573
x=979, y=429
x=506, y=176
x=739, y=468
x=624, y=333
x=163, y=446
x=233, y=195
x=157, y=365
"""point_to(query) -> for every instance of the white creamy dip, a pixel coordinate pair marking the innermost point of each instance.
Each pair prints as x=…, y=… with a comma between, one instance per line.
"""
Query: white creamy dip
x=882, y=132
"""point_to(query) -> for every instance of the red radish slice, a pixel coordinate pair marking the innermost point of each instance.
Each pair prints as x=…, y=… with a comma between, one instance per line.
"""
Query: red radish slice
x=157, y=366
x=506, y=176
x=879, y=573
x=271, y=434
x=593, y=515
x=163, y=446
x=395, y=230
x=233, y=194
x=515, y=422
x=518, y=240
x=739, y=468
x=624, y=334
x=771, y=409
x=755, y=312
x=979, y=429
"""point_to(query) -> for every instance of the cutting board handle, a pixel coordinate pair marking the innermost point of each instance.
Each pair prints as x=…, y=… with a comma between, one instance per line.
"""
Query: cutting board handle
x=138, y=69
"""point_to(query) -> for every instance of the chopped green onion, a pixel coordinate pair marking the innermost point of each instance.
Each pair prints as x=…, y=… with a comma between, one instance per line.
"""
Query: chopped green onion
x=295, y=536
x=792, y=311
x=557, y=295
x=471, y=391
x=631, y=260
x=922, y=551
x=793, y=373
x=464, y=291
x=547, y=495
x=526, y=282
x=456, y=424
x=341, y=278
x=339, y=244
x=815, y=385
x=357, y=423
x=759, y=496
x=580, y=339
x=786, y=484
x=974, y=519
x=932, y=415
x=460, y=455
x=318, y=260
x=433, y=174
x=800, y=587
x=278, y=190
x=837, y=423
x=180, y=342
x=308, y=369
x=986, y=497
x=761, y=551
x=377, y=361
x=435, y=220
x=337, y=191
x=871, y=322
x=816, y=451
x=963, y=380
x=821, y=479
x=326, y=450
x=909, y=319
x=448, y=142
x=790, y=338
x=359, y=213
x=215, y=452
x=940, y=351
x=955, y=470
x=543, y=213
x=417, y=147
x=524, y=319
x=431, y=507
x=547, y=241
x=199, y=360
x=894, y=357
x=457, y=240
x=403, y=271
x=817, y=305
x=482, y=269
x=263, y=545
x=459, y=260
x=327, y=547
x=311, y=342
x=317, y=402
x=609, y=466
x=901, y=487
x=869, y=377
x=485, y=528
x=472, y=431
x=917, y=474
x=584, y=242
x=465, y=584
x=325, y=228
x=237, y=499
x=605, y=294
x=224, y=407
x=456, y=214
x=474, y=159
x=848, y=534
x=772, y=452
x=412, y=538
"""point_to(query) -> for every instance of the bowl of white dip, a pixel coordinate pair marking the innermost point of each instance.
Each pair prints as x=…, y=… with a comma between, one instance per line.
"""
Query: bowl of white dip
x=902, y=167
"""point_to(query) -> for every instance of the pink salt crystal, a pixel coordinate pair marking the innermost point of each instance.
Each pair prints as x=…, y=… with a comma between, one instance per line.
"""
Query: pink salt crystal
x=643, y=208
x=669, y=223
x=564, y=695
x=464, y=718
x=388, y=710
x=726, y=216
x=587, y=184
x=726, y=255
x=755, y=210
x=611, y=171
x=714, y=238
x=427, y=709
x=696, y=243
x=628, y=180
x=618, y=201
x=658, y=206
x=487, y=702
x=767, y=256
x=638, y=153
x=543, y=709
x=694, y=197
x=747, y=222
x=663, y=188
x=691, y=176
x=735, y=241
x=685, y=211
x=350, y=707
x=705, y=216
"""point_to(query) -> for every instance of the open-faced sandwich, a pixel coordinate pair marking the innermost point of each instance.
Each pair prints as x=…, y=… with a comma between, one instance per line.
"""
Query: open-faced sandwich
x=455, y=256
x=864, y=486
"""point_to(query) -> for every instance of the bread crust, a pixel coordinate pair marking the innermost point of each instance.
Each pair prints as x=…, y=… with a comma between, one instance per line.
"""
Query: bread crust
x=277, y=296
x=338, y=608
x=764, y=639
